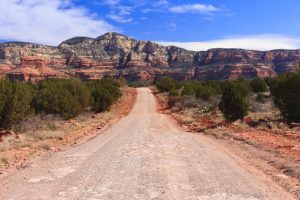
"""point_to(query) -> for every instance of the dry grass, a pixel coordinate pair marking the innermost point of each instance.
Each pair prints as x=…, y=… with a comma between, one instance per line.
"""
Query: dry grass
x=4, y=161
x=44, y=146
x=44, y=134
x=11, y=142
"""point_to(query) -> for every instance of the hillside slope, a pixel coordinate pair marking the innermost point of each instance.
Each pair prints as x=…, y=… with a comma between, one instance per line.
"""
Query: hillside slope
x=115, y=54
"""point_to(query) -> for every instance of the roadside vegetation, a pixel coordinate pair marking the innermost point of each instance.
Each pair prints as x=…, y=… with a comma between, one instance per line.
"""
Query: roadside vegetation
x=286, y=92
x=234, y=98
x=66, y=98
x=234, y=104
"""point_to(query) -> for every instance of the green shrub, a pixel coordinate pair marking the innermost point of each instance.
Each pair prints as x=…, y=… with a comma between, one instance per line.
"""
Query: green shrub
x=65, y=97
x=242, y=84
x=205, y=92
x=286, y=93
x=79, y=91
x=5, y=91
x=258, y=85
x=233, y=103
x=102, y=99
x=62, y=96
x=122, y=81
x=166, y=84
x=215, y=85
x=69, y=107
x=189, y=89
x=174, y=92
x=104, y=92
x=15, y=102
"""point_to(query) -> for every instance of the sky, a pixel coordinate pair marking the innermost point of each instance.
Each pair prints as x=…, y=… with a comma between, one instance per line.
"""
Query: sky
x=191, y=24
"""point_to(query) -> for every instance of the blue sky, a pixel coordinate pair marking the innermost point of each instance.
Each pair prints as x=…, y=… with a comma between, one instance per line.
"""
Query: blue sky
x=192, y=24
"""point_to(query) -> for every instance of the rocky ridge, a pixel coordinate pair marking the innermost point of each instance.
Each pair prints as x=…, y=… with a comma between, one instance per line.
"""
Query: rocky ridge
x=114, y=54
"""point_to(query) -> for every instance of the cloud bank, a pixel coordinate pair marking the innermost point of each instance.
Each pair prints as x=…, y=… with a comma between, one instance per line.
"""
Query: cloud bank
x=118, y=7
x=255, y=42
x=48, y=21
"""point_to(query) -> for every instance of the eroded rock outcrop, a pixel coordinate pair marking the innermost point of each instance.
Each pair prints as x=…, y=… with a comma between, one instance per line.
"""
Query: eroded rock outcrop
x=114, y=54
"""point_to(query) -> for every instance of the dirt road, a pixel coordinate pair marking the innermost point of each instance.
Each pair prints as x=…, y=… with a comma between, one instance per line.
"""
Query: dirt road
x=143, y=156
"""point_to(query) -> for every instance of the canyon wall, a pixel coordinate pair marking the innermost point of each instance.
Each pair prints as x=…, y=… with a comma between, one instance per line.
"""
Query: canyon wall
x=117, y=55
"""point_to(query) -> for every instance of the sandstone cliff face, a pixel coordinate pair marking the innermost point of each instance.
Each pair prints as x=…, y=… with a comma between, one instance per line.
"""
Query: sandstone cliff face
x=114, y=54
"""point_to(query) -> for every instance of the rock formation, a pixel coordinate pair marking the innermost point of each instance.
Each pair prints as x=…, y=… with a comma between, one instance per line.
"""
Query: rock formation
x=114, y=54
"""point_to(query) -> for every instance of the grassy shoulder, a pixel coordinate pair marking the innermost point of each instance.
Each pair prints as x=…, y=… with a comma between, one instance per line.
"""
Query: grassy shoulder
x=46, y=133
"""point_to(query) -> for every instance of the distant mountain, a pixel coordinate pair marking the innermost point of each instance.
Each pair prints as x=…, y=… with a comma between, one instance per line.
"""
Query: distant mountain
x=115, y=54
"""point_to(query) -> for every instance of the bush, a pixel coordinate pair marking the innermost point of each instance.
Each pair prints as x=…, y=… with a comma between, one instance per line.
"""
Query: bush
x=79, y=91
x=69, y=97
x=104, y=92
x=166, y=84
x=174, y=93
x=258, y=85
x=62, y=96
x=233, y=102
x=243, y=86
x=122, y=81
x=65, y=97
x=5, y=91
x=215, y=85
x=189, y=89
x=286, y=93
x=200, y=90
x=205, y=92
x=15, y=101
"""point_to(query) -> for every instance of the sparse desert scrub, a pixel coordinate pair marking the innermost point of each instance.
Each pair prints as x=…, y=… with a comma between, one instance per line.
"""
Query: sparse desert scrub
x=263, y=95
x=64, y=97
x=42, y=133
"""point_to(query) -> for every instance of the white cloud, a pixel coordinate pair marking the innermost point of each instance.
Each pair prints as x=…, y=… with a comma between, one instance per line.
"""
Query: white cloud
x=151, y=10
x=120, y=14
x=112, y=2
x=194, y=8
x=119, y=18
x=255, y=42
x=47, y=21
x=162, y=2
x=124, y=10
